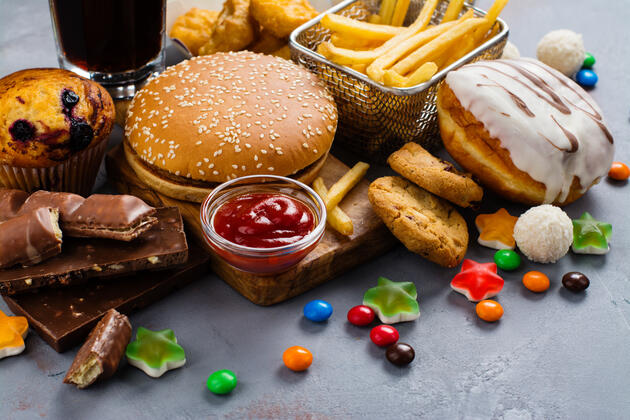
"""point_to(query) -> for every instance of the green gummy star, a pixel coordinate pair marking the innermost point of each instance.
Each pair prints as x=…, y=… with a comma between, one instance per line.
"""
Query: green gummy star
x=393, y=301
x=590, y=236
x=155, y=352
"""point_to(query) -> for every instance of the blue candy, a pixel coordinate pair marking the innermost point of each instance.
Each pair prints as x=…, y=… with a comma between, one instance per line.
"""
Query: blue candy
x=586, y=77
x=318, y=310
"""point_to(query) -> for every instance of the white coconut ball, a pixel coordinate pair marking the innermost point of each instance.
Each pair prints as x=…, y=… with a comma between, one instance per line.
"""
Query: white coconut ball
x=563, y=50
x=544, y=233
x=510, y=52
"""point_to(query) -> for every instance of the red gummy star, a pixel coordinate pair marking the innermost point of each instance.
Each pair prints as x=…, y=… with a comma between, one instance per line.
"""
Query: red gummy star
x=477, y=281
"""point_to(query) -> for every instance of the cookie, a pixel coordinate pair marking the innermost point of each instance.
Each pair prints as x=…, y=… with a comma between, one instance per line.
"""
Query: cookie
x=435, y=175
x=424, y=223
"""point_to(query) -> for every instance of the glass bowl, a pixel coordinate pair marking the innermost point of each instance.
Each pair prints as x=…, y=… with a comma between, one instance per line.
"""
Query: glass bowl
x=262, y=261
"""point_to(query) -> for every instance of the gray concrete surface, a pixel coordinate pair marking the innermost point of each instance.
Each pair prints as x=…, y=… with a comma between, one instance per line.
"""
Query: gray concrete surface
x=555, y=355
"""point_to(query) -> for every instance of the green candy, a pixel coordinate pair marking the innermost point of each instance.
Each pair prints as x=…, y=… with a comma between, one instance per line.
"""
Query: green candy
x=591, y=236
x=222, y=382
x=155, y=352
x=589, y=61
x=393, y=301
x=507, y=260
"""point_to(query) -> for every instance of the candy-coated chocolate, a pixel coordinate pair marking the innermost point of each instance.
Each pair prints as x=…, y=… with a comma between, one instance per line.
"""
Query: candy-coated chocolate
x=393, y=301
x=155, y=352
x=489, y=310
x=477, y=281
x=496, y=230
x=590, y=236
x=297, y=358
x=384, y=335
x=589, y=61
x=13, y=330
x=586, y=78
x=318, y=310
x=222, y=382
x=507, y=260
x=619, y=171
x=361, y=315
x=400, y=354
x=536, y=281
x=575, y=281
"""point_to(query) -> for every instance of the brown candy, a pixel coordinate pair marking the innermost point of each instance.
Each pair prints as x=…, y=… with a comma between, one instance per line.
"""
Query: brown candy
x=575, y=281
x=400, y=354
x=31, y=238
x=10, y=203
x=99, y=356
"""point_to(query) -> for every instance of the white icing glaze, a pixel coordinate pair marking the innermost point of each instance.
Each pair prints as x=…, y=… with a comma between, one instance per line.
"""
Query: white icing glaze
x=551, y=127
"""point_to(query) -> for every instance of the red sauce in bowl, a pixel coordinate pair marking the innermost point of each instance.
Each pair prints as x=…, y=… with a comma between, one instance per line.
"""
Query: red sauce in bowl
x=263, y=220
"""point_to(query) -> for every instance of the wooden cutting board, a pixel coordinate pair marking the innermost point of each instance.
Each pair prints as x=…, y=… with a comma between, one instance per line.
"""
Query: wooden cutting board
x=334, y=255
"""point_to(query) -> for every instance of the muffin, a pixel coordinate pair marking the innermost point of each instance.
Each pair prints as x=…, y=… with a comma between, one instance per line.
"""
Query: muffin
x=54, y=127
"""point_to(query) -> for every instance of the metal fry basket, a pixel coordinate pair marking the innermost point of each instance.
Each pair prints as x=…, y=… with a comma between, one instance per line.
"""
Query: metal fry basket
x=375, y=120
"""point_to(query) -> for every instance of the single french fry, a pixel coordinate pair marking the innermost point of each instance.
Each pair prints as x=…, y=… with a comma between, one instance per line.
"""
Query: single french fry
x=375, y=19
x=336, y=218
x=438, y=45
x=393, y=79
x=425, y=15
x=421, y=75
x=386, y=11
x=359, y=67
x=376, y=70
x=490, y=18
x=353, y=43
x=356, y=28
x=340, y=188
x=453, y=10
x=400, y=11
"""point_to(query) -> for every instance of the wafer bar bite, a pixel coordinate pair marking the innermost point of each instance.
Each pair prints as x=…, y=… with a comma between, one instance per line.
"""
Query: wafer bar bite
x=10, y=203
x=31, y=238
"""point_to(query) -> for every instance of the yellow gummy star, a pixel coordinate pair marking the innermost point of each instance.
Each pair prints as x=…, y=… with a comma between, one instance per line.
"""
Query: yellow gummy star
x=496, y=230
x=13, y=329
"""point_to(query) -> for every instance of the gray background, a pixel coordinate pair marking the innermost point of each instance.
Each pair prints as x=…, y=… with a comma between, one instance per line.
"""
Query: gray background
x=553, y=355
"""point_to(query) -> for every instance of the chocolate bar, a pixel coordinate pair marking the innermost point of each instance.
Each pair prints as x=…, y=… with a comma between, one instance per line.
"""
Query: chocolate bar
x=64, y=317
x=99, y=356
x=10, y=203
x=163, y=246
x=120, y=217
x=31, y=238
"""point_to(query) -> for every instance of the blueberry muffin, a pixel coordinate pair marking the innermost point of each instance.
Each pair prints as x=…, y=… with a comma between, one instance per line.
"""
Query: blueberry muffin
x=53, y=130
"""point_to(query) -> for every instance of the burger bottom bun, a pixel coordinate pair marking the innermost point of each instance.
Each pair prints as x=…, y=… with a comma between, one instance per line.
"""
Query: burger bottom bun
x=470, y=144
x=181, y=190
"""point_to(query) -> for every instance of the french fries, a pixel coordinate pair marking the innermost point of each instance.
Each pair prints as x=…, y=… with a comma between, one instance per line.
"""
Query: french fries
x=357, y=28
x=400, y=11
x=453, y=10
x=336, y=218
x=340, y=188
x=375, y=19
x=403, y=57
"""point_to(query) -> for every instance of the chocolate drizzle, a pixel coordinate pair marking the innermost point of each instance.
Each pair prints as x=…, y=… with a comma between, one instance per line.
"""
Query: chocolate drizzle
x=517, y=99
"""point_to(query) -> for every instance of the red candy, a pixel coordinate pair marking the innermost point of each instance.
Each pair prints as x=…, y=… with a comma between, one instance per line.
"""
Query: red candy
x=477, y=281
x=384, y=335
x=361, y=315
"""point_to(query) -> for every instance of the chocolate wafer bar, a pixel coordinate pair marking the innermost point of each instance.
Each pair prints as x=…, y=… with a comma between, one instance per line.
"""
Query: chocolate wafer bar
x=100, y=355
x=163, y=246
x=120, y=217
x=10, y=203
x=31, y=238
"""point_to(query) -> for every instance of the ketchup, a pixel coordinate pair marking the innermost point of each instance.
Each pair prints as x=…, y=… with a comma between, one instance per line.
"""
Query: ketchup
x=263, y=220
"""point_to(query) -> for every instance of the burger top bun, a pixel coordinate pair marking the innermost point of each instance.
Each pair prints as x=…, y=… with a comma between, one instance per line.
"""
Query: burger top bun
x=214, y=118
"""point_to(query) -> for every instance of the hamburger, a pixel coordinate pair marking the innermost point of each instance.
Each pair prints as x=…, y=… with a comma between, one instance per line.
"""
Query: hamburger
x=211, y=119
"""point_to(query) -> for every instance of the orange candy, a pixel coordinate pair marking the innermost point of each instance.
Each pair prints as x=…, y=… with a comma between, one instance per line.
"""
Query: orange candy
x=297, y=358
x=489, y=310
x=496, y=230
x=536, y=281
x=619, y=171
x=13, y=329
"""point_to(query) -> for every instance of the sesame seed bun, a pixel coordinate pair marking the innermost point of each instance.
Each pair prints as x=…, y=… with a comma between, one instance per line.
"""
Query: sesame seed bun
x=214, y=118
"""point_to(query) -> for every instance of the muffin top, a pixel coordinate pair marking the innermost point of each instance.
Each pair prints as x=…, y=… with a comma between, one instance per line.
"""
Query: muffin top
x=48, y=115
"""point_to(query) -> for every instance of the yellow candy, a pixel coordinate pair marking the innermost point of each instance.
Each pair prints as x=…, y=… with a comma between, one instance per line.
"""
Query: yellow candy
x=496, y=230
x=13, y=330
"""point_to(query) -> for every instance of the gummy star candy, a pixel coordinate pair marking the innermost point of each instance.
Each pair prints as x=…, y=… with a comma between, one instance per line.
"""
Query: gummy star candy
x=155, y=352
x=393, y=301
x=13, y=330
x=496, y=230
x=590, y=236
x=477, y=281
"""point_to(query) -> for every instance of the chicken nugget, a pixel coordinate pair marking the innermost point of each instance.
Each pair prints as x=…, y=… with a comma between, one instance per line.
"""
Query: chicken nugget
x=234, y=29
x=194, y=27
x=284, y=52
x=267, y=43
x=281, y=17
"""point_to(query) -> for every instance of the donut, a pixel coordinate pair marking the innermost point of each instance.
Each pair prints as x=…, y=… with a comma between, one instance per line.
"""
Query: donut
x=525, y=130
